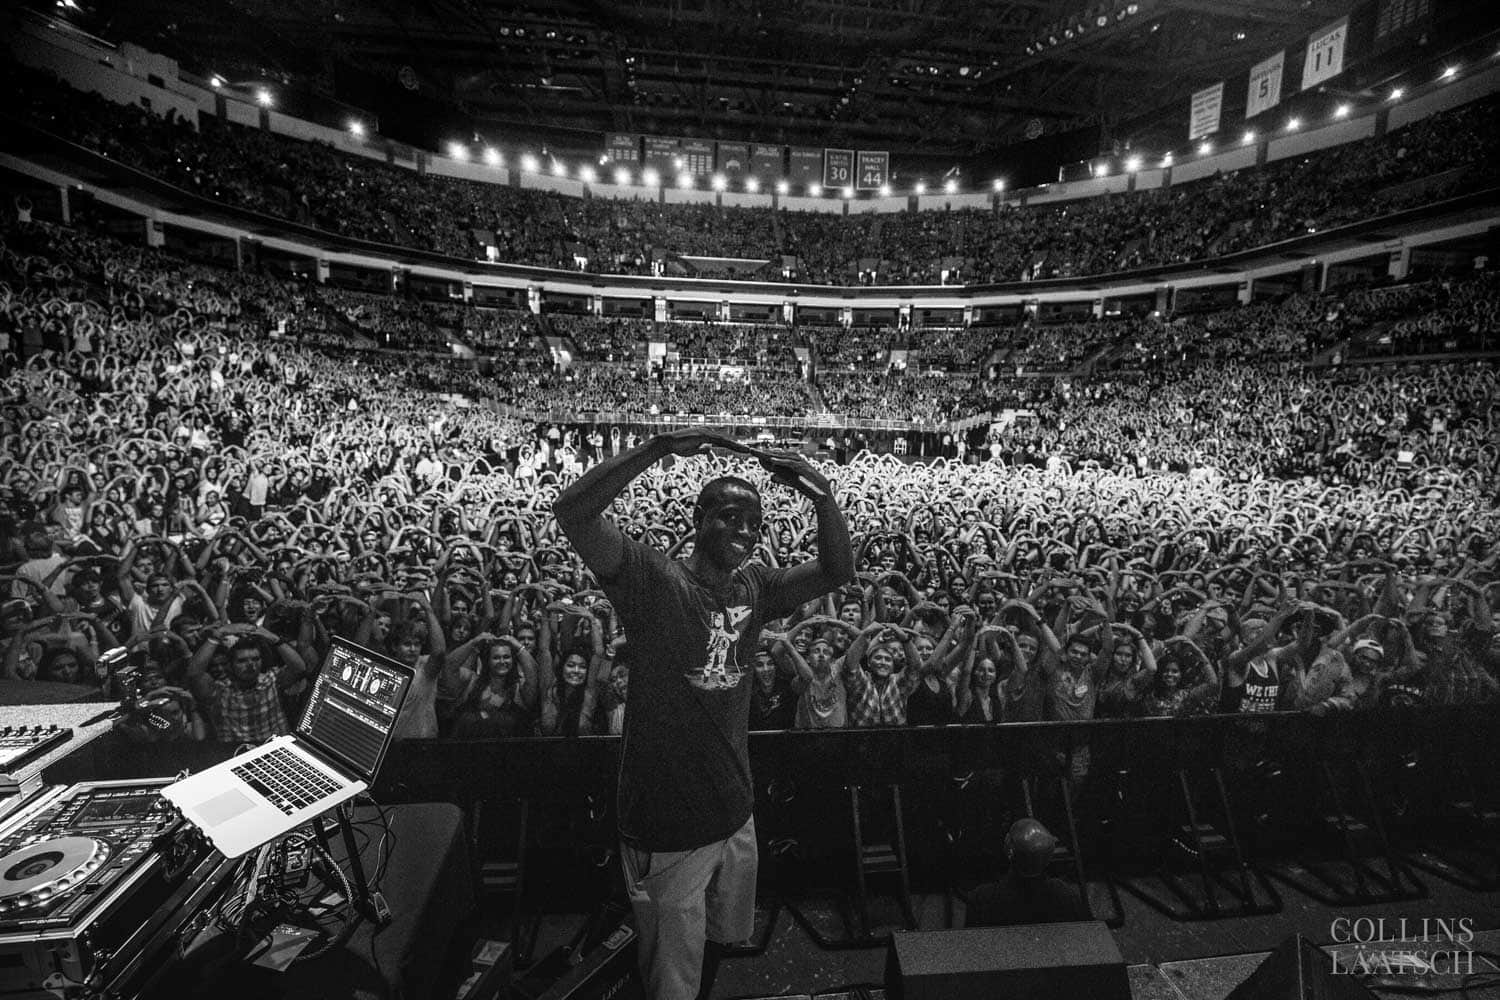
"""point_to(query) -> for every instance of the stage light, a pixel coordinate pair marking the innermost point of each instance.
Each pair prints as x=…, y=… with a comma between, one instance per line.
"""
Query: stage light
x=263, y=98
x=685, y=180
x=782, y=187
x=1133, y=164
x=356, y=128
x=719, y=182
x=528, y=163
x=1342, y=111
x=920, y=187
x=622, y=176
x=650, y=177
x=586, y=174
x=885, y=190
x=950, y=185
x=1396, y=93
x=1293, y=124
x=1248, y=138
x=492, y=156
x=752, y=184
x=457, y=151
x=815, y=189
x=1205, y=147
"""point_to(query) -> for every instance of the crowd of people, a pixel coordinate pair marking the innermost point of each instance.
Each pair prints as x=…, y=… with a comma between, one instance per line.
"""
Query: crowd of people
x=198, y=498
x=1436, y=157
x=616, y=339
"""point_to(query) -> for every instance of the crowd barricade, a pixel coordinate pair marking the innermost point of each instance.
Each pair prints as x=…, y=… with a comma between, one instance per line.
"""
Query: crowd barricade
x=1362, y=800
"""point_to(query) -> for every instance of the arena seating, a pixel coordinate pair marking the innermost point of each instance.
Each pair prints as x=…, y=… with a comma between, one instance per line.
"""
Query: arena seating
x=1440, y=156
x=1168, y=493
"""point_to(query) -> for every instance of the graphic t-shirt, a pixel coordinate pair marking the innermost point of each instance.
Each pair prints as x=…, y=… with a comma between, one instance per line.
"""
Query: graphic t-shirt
x=684, y=760
x=822, y=705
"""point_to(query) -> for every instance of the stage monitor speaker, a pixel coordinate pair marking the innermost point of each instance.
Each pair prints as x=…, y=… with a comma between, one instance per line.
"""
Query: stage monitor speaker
x=1299, y=970
x=606, y=971
x=1032, y=961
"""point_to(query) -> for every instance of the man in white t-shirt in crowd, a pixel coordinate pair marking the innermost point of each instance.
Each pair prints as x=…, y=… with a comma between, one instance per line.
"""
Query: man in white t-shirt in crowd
x=161, y=603
x=42, y=563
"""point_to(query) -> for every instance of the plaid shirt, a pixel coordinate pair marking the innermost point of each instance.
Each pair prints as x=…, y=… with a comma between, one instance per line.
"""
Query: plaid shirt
x=249, y=716
x=878, y=703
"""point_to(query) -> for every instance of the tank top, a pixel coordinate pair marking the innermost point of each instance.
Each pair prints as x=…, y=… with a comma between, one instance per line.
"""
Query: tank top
x=926, y=707
x=1262, y=686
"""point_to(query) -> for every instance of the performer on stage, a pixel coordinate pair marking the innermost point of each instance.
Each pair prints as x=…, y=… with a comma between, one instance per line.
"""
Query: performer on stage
x=687, y=835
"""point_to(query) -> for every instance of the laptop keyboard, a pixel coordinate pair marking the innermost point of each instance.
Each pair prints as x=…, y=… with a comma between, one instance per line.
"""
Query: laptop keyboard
x=286, y=780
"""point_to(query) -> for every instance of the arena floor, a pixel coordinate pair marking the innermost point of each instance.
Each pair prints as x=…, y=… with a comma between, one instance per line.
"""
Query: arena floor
x=1171, y=960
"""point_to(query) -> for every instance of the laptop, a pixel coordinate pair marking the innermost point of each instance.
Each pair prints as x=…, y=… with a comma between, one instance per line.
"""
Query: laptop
x=335, y=753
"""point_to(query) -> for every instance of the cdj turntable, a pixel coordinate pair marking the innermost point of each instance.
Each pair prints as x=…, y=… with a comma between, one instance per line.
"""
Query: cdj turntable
x=88, y=874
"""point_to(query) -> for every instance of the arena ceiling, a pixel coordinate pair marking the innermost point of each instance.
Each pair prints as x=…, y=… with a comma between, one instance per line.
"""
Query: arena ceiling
x=943, y=77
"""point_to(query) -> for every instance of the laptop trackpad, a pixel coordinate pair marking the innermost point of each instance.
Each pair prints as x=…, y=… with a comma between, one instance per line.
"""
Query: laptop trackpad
x=225, y=806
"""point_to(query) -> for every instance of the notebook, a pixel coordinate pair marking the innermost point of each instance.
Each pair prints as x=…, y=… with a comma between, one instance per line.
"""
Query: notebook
x=335, y=753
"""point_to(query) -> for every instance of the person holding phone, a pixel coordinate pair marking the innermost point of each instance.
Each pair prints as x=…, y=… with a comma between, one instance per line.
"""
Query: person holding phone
x=687, y=836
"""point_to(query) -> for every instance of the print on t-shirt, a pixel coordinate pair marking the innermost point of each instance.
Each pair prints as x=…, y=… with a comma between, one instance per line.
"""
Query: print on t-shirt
x=1262, y=686
x=721, y=671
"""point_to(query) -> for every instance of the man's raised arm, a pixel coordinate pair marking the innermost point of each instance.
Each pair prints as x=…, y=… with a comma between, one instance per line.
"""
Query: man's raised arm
x=580, y=508
x=834, y=565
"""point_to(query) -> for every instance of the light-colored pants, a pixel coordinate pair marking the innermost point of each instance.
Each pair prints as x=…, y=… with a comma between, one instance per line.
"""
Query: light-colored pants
x=681, y=898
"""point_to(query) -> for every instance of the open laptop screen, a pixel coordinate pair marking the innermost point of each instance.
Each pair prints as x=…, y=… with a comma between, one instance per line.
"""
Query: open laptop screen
x=353, y=706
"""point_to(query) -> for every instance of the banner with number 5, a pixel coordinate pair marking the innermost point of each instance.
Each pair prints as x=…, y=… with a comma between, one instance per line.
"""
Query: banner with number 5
x=1265, y=85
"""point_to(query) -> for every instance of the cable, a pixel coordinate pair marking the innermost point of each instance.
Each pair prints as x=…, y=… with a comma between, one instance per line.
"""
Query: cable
x=348, y=927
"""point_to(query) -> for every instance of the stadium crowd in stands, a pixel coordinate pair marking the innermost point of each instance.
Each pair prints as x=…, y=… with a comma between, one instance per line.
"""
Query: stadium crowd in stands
x=1445, y=154
x=207, y=473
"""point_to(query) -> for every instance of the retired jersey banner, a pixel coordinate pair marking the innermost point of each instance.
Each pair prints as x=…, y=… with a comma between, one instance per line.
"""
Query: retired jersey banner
x=838, y=168
x=734, y=158
x=766, y=161
x=1325, y=54
x=1203, y=115
x=873, y=169
x=622, y=147
x=663, y=154
x=1265, y=85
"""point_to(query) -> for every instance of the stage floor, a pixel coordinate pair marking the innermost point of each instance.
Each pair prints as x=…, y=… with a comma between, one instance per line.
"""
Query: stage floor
x=1169, y=959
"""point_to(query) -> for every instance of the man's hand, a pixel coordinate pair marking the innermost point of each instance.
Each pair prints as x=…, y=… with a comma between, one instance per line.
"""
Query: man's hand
x=795, y=471
x=687, y=442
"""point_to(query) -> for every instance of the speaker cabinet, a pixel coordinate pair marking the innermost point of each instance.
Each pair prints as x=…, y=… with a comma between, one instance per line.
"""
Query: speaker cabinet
x=1032, y=961
x=1299, y=970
